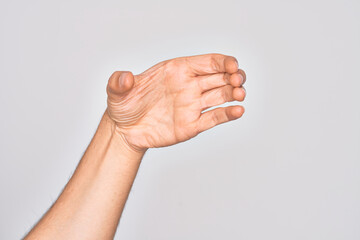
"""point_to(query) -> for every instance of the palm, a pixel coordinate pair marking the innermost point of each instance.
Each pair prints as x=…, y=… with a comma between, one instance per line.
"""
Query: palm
x=164, y=104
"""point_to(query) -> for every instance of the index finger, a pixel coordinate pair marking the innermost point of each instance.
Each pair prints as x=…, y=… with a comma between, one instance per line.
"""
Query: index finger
x=212, y=63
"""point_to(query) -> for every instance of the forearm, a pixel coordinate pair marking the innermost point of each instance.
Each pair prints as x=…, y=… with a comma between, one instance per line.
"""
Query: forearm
x=157, y=108
x=91, y=204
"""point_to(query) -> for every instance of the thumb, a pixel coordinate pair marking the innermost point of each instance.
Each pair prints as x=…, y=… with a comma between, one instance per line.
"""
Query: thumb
x=120, y=83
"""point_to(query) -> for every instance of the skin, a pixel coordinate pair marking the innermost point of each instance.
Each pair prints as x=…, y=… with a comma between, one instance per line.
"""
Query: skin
x=160, y=107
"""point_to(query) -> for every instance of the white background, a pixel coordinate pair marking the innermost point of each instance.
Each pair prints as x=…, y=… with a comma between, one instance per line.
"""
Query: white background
x=289, y=169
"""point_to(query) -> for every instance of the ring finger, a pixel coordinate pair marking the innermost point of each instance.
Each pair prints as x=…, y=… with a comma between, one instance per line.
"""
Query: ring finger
x=221, y=95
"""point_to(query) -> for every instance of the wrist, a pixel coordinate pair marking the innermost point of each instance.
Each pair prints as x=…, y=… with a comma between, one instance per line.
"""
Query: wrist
x=120, y=139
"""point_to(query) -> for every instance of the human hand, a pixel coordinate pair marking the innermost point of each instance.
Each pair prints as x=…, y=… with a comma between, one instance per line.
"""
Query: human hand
x=163, y=105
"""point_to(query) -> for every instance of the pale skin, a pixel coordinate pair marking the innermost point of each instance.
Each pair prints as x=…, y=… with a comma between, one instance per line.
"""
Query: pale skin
x=160, y=107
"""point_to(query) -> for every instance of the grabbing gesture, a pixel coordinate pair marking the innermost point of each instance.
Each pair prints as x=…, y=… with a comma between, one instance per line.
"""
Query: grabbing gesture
x=164, y=105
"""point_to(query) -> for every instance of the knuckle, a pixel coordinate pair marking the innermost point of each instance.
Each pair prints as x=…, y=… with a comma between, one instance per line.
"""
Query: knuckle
x=173, y=63
x=230, y=93
x=226, y=93
x=200, y=84
x=171, y=66
x=215, y=118
x=226, y=77
x=215, y=56
x=213, y=62
x=223, y=75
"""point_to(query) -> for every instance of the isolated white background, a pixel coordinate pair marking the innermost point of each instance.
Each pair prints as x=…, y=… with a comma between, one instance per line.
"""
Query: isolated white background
x=289, y=169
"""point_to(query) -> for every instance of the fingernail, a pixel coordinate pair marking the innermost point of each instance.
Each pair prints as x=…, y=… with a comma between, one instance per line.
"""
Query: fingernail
x=242, y=79
x=121, y=79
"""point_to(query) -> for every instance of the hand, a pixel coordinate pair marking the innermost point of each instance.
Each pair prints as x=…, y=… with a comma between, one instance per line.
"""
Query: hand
x=163, y=105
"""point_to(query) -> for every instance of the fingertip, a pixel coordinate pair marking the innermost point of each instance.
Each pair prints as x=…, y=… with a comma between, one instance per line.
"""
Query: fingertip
x=120, y=82
x=231, y=64
x=236, y=80
x=237, y=111
x=239, y=93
